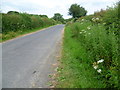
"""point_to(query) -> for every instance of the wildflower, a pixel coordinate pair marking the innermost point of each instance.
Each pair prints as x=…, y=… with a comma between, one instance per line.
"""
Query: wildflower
x=82, y=20
x=80, y=32
x=100, y=61
x=88, y=28
x=99, y=70
x=83, y=30
x=95, y=67
x=89, y=33
x=93, y=19
x=97, y=18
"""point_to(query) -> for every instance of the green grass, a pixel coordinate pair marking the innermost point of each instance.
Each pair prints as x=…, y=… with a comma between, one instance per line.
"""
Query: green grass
x=11, y=34
x=76, y=71
x=84, y=44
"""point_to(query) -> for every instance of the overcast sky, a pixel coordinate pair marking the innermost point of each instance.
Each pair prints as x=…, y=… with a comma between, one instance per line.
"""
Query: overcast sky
x=49, y=7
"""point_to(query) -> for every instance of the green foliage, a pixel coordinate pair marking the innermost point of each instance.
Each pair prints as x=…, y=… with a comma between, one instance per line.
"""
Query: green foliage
x=13, y=12
x=76, y=69
x=23, y=21
x=43, y=16
x=111, y=18
x=87, y=41
x=58, y=17
x=14, y=24
x=77, y=11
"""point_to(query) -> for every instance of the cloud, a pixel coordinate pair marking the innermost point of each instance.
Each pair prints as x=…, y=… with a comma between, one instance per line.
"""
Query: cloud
x=49, y=7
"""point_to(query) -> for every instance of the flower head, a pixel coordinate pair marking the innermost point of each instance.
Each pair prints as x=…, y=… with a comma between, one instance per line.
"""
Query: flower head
x=97, y=18
x=99, y=70
x=95, y=67
x=88, y=28
x=82, y=19
x=89, y=33
x=80, y=32
x=100, y=61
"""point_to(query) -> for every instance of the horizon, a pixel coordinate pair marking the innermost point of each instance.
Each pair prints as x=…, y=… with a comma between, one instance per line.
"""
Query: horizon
x=55, y=6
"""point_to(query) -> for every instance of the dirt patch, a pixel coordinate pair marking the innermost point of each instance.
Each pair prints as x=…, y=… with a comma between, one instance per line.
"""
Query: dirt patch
x=53, y=76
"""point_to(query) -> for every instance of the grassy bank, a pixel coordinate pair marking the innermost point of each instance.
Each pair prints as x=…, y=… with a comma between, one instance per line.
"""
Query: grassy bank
x=90, y=56
x=11, y=34
x=75, y=69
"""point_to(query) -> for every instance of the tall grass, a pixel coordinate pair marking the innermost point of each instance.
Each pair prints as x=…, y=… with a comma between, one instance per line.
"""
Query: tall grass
x=100, y=44
x=91, y=52
x=76, y=71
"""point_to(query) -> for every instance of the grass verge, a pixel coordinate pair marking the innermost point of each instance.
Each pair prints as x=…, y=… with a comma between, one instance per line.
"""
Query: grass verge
x=11, y=35
x=74, y=72
x=84, y=45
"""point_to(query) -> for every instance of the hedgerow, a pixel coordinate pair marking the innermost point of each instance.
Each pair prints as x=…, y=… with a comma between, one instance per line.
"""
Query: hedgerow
x=22, y=21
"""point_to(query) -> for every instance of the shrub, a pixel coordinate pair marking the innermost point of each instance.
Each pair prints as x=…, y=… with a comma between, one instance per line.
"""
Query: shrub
x=99, y=44
x=23, y=21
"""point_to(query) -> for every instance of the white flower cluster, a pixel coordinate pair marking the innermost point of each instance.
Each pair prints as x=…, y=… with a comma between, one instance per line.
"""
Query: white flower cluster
x=100, y=61
x=88, y=28
x=82, y=31
x=95, y=65
x=83, y=20
x=95, y=19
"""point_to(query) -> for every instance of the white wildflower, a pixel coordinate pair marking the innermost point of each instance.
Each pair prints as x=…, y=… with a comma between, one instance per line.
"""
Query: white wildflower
x=99, y=70
x=82, y=20
x=83, y=30
x=97, y=18
x=100, y=61
x=80, y=32
x=89, y=33
x=93, y=19
x=95, y=67
x=88, y=28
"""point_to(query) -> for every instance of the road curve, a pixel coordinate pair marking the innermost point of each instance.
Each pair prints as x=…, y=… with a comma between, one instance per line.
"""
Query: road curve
x=26, y=60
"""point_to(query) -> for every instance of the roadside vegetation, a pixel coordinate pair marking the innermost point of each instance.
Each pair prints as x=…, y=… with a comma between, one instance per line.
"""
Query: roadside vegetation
x=90, y=55
x=15, y=24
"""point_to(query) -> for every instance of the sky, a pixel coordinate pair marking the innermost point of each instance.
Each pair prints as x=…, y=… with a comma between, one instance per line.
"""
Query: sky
x=49, y=7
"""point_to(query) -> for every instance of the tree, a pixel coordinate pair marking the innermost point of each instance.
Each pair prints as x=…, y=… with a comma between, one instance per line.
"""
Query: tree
x=12, y=12
x=77, y=11
x=43, y=16
x=58, y=17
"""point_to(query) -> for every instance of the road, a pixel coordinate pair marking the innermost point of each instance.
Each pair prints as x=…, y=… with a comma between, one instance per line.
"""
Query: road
x=27, y=60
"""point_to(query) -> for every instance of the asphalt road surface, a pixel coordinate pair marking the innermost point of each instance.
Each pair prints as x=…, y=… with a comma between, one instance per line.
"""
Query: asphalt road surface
x=27, y=60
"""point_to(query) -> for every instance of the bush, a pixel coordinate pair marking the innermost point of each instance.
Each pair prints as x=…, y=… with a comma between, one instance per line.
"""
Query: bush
x=99, y=44
x=111, y=18
x=23, y=21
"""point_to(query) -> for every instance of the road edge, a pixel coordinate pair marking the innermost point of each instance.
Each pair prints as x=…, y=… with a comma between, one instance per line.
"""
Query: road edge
x=27, y=34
